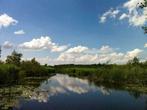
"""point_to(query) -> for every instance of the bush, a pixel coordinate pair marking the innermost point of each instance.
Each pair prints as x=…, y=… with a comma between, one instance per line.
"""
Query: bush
x=8, y=73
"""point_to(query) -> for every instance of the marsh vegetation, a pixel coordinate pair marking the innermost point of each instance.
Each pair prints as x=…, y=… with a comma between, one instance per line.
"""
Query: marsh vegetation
x=14, y=70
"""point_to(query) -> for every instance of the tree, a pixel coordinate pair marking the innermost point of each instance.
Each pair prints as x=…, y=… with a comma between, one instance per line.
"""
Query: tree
x=134, y=61
x=14, y=58
x=34, y=62
x=142, y=6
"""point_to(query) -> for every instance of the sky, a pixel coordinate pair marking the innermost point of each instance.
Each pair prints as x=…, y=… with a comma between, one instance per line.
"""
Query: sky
x=73, y=31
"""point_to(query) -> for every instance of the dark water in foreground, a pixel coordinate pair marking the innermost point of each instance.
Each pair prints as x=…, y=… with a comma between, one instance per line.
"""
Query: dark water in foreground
x=62, y=92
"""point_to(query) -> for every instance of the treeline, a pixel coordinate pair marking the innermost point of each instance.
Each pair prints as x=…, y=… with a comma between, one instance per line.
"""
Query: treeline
x=134, y=72
x=14, y=70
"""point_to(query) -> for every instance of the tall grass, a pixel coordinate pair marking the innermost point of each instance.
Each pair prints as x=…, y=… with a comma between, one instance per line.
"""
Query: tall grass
x=128, y=73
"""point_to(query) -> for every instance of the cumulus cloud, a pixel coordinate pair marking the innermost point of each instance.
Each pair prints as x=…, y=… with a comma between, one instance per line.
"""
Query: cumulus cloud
x=72, y=53
x=132, y=13
x=101, y=55
x=134, y=53
x=6, y=20
x=136, y=18
x=78, y=49
x=19, y=32
x=7, y=45
x=85, y=55
x=44, y=42
x=106, y=49
x=133, y=4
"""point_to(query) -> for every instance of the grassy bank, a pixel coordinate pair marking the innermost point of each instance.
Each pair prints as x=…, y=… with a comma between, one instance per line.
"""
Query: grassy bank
x=130, y=76
x=12, y=74
x=14, y=70
x=112, y=73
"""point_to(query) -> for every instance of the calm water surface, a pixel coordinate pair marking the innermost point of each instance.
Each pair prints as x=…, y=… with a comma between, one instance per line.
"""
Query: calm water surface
x=62, y=92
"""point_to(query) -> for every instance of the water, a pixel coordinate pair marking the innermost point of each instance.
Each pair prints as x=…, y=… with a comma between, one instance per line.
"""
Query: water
x=62, y=92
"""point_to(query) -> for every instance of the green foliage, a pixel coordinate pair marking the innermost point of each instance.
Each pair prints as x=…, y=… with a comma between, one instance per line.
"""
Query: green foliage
x=33, y=68
x=8, y=73
x=14, y=58
x=142, y=6
x=134, y=61
x=133, y=72
x=15, y=70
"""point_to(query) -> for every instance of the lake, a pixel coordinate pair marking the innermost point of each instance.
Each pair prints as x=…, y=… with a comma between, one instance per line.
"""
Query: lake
x=63, y=92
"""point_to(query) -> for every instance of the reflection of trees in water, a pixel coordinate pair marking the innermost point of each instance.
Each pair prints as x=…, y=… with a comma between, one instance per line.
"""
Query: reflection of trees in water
x=9, y=96
x=146, y=104
x=135, y=94
x=133, y=90
x=145, y=98
x=59, y=84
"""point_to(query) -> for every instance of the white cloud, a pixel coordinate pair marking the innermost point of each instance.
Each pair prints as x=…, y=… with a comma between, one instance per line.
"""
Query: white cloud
x=110, y=13
x=42, y=60
x=145, y=45
x=6, y=20
x=101, y=55
x=85, y=55
x=123, y=16
x=133, y=4
x=44, y=42
x=7, y=45
x=103, y=19
x=133, y=53
x=78, y=49
x=72, y=53
x=105, y=49
x=136, y=18
x=129, y=10
x=19, y=32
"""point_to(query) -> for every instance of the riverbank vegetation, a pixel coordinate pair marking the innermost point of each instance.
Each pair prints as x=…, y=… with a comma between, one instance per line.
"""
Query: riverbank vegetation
x=134, y=72
x=15, y=70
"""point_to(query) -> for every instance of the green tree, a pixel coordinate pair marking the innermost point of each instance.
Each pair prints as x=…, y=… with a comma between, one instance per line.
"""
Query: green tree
x=142, y=6
x=134, y=61
x=14, y=58
x=34, y=62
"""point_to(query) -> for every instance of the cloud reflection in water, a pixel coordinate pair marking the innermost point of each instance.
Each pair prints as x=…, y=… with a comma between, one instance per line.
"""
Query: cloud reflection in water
x=64, y=84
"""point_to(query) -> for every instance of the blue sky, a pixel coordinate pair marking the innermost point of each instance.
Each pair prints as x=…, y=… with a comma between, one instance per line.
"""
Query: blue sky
x=69, y=23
